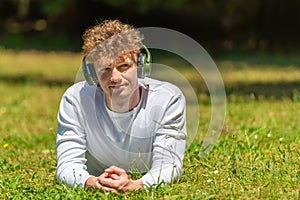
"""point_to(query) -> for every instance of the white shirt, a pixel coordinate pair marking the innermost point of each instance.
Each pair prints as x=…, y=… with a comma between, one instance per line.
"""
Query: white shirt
x=149, y=139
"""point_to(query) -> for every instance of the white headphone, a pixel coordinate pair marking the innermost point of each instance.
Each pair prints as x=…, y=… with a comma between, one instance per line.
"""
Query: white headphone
x=143, y=67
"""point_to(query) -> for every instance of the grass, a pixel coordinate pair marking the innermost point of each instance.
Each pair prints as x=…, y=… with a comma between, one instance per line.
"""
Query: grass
x=257, y=155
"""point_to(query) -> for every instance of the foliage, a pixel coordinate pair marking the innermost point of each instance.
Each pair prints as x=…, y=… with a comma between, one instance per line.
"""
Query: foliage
x=256, y=157
x=224, y=25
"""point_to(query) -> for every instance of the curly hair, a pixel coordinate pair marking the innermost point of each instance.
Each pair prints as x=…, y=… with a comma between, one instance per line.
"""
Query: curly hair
x=111, y=38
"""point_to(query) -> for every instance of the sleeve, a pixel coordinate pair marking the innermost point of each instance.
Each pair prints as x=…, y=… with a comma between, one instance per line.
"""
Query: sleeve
x=169, y=145
x=70, y=144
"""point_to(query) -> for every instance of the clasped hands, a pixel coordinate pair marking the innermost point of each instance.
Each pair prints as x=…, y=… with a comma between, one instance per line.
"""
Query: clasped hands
x=113, y=179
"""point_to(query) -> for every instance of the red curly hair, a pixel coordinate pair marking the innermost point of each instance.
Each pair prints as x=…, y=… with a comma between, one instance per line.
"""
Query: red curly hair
x=111, y=37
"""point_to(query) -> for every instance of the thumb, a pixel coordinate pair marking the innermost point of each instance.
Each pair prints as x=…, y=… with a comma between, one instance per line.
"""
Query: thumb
x=114, y=176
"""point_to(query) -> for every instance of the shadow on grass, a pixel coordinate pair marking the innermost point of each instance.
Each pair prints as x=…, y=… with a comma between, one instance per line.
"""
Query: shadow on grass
x=274, y=90
x=263, y=59
x=35, y=79
x=268, y=90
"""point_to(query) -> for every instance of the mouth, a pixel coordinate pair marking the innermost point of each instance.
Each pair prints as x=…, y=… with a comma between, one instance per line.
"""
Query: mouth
x=117, y=87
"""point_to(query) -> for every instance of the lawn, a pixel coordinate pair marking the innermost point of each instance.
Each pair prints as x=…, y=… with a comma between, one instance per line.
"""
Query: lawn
x=257, y=155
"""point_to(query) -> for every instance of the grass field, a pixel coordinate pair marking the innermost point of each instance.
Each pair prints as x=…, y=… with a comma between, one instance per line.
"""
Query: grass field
x=257, y=155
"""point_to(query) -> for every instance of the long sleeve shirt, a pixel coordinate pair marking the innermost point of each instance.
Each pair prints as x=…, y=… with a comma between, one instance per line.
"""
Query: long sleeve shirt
x=149, y=139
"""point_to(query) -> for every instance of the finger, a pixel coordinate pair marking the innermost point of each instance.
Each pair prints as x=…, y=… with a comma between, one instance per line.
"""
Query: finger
x=97, y=185
x=111, y=183
x=104, y=174
x=109, y=189
x=109, y=176
x=107, y=181
x=114, y=176
x=115, y=169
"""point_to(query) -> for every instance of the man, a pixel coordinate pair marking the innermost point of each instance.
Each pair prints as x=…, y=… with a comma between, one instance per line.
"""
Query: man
x=119, y=123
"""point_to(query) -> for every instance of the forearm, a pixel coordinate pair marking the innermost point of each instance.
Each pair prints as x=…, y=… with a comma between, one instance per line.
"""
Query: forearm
x=72, y=176
x=70, y=149
x=167, y=161
x=165, y=173
x=71, y=168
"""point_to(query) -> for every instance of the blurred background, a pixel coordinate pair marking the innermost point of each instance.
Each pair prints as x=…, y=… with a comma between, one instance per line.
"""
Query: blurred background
x=269, y=26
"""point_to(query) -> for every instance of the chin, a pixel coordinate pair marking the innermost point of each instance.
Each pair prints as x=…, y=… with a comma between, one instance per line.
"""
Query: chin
x=121, y=94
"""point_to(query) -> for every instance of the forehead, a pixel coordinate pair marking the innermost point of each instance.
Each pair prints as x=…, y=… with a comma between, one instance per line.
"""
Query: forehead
x=104, y=62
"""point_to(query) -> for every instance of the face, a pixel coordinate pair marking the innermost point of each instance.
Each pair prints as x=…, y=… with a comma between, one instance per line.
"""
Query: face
x=119, y=80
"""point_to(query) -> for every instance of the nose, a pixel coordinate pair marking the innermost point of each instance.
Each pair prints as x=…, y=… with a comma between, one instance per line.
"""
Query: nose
x=115, y=75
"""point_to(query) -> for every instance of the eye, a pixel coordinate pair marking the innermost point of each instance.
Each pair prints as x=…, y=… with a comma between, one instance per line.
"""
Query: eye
x=105, y=69
x=123, y=67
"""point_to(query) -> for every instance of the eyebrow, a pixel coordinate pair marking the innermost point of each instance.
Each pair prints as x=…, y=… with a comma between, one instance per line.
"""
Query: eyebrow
x=126, y=61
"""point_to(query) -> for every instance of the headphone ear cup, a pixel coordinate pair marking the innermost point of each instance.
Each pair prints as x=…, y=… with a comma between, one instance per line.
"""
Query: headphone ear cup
x=144, y=63
x=147, y=67
x=140, y=65
x=89, y=73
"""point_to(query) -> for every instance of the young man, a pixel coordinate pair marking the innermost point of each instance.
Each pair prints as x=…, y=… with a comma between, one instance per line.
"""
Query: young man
x=121, y=123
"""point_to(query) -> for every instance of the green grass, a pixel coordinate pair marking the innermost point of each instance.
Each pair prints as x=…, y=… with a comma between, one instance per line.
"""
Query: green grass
x=257, y=155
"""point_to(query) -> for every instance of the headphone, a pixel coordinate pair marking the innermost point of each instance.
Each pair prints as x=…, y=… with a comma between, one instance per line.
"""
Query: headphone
x=143, y=67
